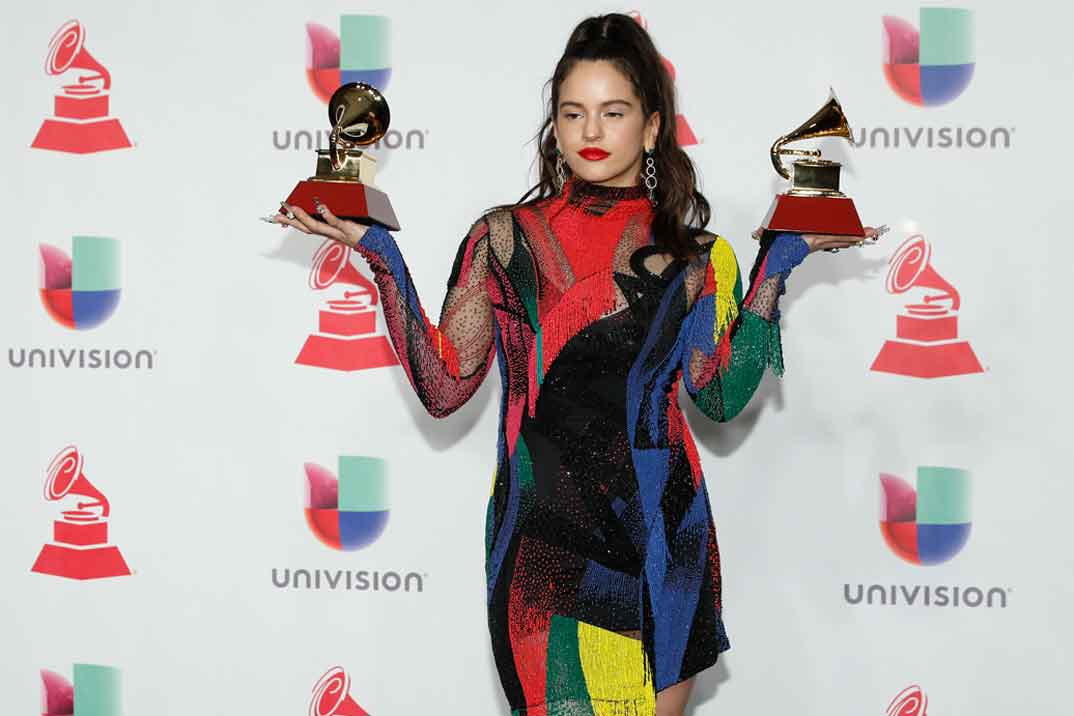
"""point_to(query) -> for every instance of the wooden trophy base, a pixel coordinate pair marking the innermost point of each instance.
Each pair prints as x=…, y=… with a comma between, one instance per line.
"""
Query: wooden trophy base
x=819, y=214
x=347, y=200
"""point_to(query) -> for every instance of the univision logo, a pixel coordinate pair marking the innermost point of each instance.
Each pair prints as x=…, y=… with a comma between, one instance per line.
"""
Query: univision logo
x=81, y=290
x=95, y=692
x=934, y=65
x=349, y=512
x=931, y=524
x=930, y=67
x=360, y=52
x=926, y=526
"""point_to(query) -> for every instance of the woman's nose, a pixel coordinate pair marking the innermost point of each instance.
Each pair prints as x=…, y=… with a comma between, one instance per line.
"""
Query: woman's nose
x=592, y=130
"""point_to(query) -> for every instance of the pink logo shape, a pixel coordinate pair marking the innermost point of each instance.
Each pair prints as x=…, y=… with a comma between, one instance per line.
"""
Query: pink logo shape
x=911, y=701
x=926, y=343
x=684, y=134
x=81, y=124
x=348, y=338
x=331, y=695
x=80, y=548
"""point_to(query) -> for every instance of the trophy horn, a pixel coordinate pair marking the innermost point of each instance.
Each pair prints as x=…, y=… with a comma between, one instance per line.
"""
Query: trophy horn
x=65, y=477
x=828, y=121
x=359, y=115
x=911, y=265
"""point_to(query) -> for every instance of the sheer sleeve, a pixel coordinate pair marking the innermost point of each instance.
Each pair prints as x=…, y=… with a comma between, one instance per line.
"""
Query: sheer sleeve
x=728, y=341
x=445, y=363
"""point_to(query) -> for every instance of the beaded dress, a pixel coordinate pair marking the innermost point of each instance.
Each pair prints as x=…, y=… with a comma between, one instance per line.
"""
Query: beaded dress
x=603, y=574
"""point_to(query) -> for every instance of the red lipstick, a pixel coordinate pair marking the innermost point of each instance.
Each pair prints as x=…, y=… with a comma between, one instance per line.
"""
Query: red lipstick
x=593, y=154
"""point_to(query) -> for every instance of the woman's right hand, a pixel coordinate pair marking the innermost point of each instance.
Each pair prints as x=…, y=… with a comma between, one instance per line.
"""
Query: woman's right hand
x=328, y=225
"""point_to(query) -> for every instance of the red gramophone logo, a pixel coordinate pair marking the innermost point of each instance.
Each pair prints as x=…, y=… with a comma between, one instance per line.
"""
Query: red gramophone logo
x=911, y=701
x=684, y=134
x=347, y=336
x=80, y=548
x=926, y=343
x=331, y=696
x=81, y=124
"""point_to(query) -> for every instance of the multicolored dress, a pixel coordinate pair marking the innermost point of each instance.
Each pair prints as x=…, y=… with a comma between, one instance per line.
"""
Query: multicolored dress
x=601, y=557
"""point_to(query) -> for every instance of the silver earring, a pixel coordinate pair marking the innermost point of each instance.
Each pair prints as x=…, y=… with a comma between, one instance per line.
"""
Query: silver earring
x=561, y=171
x=649, y=174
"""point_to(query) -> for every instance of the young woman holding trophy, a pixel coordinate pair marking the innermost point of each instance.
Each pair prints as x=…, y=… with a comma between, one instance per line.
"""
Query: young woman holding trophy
x=597, y=292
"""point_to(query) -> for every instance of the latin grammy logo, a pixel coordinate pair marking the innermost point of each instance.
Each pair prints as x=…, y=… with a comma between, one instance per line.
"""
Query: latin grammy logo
x=926, y=343
x=81, y=124
x=331, y=696
x=347, y=333
x=80, y=548
x=911, y=701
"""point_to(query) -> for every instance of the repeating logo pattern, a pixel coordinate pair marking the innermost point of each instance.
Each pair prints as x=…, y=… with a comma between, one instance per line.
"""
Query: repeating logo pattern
x=930, y=524
x=95, y=692
x=911, y=701
x=926, y=343
x=81, y=290
x=932, y=66
x=332, y=697
x=80, y=548
x=349, y=512
x=347, y=337
x=361, y=52
x=80, y=124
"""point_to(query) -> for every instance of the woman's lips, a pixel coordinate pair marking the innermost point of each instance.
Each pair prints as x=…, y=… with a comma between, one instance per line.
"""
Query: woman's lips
x=593, y=154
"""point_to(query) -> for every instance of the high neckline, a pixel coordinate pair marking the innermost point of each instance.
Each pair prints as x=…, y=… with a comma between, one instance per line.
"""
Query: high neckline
x=583, y=189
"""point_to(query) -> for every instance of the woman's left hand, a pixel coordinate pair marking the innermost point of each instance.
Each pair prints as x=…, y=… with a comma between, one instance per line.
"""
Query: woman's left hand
x=835, y=242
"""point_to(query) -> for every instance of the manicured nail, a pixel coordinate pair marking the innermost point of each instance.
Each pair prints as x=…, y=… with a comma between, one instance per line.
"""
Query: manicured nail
x=268, y=219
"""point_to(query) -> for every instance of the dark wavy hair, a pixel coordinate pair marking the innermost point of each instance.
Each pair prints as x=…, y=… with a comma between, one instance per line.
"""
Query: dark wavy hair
x=681, y=210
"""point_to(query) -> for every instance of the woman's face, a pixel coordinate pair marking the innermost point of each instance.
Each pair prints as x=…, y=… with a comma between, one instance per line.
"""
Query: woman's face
x=599, y=125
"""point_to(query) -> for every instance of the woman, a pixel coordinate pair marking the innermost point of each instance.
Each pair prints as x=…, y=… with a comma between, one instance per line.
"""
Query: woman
x=595, y=296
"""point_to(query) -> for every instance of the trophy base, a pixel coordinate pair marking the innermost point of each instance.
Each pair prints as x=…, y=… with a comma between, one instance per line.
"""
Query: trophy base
x=81, y=137
x=347, y=353
x=347, y=200
x=814, y=215
x=917, y=360
x=93, y=563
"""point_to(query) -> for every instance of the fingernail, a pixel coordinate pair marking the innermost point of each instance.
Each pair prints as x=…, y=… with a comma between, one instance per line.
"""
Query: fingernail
x=268, y=219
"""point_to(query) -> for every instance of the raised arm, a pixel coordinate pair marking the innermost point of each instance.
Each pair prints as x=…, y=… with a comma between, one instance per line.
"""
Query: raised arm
x=445, y=363
x=728, y=341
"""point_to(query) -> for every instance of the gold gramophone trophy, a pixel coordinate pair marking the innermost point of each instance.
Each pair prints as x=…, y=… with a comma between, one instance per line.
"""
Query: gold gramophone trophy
x=814, y=203
x=344, y=179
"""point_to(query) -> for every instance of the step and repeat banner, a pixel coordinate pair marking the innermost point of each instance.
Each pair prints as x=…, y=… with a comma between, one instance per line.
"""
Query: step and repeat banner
x=221, y=496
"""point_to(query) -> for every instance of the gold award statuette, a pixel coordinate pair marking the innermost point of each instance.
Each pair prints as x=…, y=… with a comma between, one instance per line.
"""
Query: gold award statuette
x=344, y=178
x=814, y=203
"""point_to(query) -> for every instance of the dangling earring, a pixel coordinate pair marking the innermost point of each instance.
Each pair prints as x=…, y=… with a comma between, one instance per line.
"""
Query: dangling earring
x=649, y=174
x=561, y=171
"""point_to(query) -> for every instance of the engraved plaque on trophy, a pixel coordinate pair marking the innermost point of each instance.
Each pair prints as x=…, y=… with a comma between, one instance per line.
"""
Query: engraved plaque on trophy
x=344, y=177
x=814, y=203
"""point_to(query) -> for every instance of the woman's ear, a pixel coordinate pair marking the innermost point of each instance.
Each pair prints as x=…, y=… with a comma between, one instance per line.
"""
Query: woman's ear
x=652, y=130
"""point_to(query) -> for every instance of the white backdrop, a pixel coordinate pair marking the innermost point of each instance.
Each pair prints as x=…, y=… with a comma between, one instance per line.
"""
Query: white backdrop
x=202, y=455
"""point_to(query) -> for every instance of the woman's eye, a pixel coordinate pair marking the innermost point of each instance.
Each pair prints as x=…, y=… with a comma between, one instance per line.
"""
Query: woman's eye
x=572, y=115
x=615, y=114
